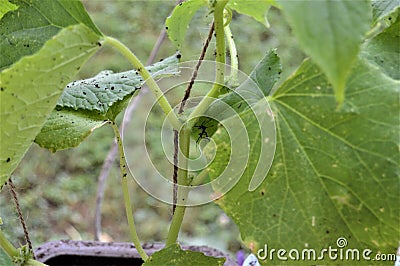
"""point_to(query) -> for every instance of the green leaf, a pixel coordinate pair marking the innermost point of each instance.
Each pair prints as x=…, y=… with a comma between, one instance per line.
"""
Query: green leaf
x=331, y=33
x=74, y=126
x=383, y=8
x=335, y=174
x=88, y=104
x=25, y=30
x=178, y=23
x=255, y=9
x=175, y=256
x=29, y=90
x=5, y=7
x=384, y=50
x=107, y=88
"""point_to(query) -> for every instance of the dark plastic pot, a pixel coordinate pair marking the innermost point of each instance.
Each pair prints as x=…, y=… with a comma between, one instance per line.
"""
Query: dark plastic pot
x=77, y=253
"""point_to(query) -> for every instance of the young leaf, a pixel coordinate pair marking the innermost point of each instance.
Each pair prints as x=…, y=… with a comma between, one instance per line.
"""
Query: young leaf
x=178, y=23
x=25, y=30
x=384, y=50
x=255, y=9
x=5, y=7
x=88, y=104
x=335, y=174
x=331, y=33
x=383, y=8
x=175, y=256
x=29, y=90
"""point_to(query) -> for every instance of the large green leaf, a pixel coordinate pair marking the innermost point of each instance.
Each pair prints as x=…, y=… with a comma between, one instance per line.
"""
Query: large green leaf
x=384, y=50
x=178, y=23
x=330, y=32
x=255, y=9
x=335, y=173
x=175, y=256
x=86, y=105
x=30, y=89
x=24, y=31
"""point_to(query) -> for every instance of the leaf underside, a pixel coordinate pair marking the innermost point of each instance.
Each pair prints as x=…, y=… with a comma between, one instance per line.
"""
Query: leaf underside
x=88, y=104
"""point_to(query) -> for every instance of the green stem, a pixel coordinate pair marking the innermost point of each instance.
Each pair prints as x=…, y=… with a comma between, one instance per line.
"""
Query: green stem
x=12, y=252
x=153, y=86
x=234, y=56
x=127, y=200
x=199, y=179
x=220, y=67
x=183, y=190
x=7, y=246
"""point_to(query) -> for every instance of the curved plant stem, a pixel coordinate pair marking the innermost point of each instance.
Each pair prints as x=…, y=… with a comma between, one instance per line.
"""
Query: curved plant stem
x=161, y=99
x=220, y=67
x=183, y=190
x=127, y=200
x=233, y=79
x=7, y=246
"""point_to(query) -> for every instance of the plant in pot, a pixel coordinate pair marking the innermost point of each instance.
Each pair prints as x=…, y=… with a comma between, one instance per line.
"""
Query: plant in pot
x=306, y=168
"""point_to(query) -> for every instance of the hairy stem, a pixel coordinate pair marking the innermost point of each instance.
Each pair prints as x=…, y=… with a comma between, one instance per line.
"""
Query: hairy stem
x=125, y=190
x=183, y=102
x=183, y=190
x=20, y=216
x=220, y=67
x=153, y=86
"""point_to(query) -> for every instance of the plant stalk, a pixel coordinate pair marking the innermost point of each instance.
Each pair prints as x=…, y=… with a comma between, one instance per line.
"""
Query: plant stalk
x=7, y=246
x=183, y=190
x=233, y=79
x=220, y=67
x=125, y=190
x=153, y=86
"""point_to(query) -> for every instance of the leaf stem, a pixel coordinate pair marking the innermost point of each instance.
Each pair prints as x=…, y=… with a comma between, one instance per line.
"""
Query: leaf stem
x=7, y=246
x=220, y=67
x=183, y=190
x=233, y=78
x=153, y=86
x=125, y=190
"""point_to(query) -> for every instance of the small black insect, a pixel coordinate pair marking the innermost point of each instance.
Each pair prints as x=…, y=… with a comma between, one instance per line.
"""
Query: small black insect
x=203, y=127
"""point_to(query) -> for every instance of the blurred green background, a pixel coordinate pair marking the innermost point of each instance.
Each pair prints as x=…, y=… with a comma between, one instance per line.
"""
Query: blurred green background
x=57, y=191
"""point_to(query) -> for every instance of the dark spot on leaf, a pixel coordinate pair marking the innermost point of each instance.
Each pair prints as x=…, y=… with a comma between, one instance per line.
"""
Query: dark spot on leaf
x=8, y=160
x=97, y=85
x=98, y=43
x=1, y=89
x=54, y=59
x=124, y=175
x=162, y=59
x=112, y=88
x=58, y=108
x=84, y=93
x=262, y=193
x=327, y=231
x=389, y=18
x=166, y=28
x=78, y=68
x=269, y=68
x=180, y=4
x=178, y=56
